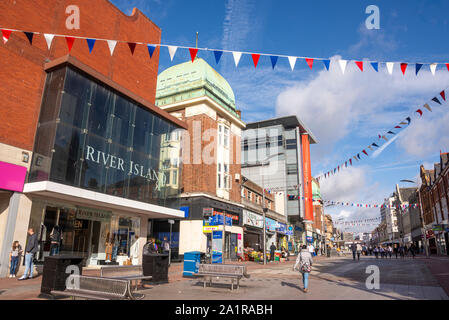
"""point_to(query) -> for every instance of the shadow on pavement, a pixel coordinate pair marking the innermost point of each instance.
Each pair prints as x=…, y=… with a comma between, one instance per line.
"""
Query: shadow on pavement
x=291, y=285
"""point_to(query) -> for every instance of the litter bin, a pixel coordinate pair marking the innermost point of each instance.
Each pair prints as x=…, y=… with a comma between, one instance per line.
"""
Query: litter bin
x=54, y=274
x=191, y=263
x=155, y=265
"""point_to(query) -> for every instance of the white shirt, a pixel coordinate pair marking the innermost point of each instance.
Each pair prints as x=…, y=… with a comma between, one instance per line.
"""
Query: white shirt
x=311, y=249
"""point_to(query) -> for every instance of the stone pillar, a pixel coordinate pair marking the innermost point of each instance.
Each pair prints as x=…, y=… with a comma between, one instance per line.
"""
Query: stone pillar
x=143, y=235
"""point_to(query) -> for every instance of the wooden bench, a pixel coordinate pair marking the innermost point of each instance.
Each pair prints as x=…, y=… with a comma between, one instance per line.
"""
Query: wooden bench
x=234, y=272
x=94, y=288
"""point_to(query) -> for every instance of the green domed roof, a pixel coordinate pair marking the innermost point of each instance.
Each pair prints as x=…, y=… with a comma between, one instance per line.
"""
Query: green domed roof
x=190, y=80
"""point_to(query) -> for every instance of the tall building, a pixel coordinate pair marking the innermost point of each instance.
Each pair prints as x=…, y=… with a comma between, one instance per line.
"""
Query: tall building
x=276, y=155
x=388, y=215
x=80, y=137
x=196, y=94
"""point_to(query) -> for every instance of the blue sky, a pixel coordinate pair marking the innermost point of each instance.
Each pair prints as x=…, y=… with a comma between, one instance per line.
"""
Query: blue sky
x=345, y=112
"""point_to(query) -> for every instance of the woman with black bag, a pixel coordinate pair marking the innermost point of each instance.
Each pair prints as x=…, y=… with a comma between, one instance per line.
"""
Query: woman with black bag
x=303, y=264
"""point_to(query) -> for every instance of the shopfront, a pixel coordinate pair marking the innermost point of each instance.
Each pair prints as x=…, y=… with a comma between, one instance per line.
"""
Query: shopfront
x=252, y=231
x=281, y=235
x=96, y=171
x=270, y=226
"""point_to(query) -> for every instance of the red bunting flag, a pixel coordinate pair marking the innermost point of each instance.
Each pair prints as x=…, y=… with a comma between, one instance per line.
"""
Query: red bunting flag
x=350, y=161
x=309, y=62
x=443, y=95
x=70, y=41
x=419, y=111
x=360, y=65
x=6, y=33
x=255, y=57
x=132, y=47
x=193, y=52
x=403, y=67
x=365, y=152
x=447, y=66
x=397, y=127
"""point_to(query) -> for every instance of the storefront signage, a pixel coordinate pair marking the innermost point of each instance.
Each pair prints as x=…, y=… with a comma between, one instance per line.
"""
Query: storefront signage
x=217, y=220
x=309, y=239
x=299, y=229
x=290, y=231
x=281, y=228
x=252, y=219
x=207, y=212
x=89, y=214
x=12, y=177
x=235, y=217
x=111, y=161
x=270, y=225
x=217, y=247
x=209, y=229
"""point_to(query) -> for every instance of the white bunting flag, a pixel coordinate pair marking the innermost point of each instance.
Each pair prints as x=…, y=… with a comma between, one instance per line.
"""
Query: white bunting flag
x=292, y=61
x=49, y=39
x=343, y=65
x=236, y=56
x=390, y=67
x=111, y=45
x=172, y=51
x=433, y=67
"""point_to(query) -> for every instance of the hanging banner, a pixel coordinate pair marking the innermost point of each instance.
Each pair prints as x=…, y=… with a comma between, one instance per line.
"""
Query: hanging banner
x=307, y=177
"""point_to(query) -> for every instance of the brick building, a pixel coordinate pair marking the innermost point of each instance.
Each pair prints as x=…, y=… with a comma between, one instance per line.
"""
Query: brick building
x=196, y=94
x=434, y=195
x=80, y=137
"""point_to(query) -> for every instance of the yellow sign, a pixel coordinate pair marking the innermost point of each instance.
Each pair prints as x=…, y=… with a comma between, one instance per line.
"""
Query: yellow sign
x=209, y=229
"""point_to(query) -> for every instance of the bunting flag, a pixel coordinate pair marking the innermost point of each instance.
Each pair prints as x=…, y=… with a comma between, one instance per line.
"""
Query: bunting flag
x=274, y=60
x=6, y=34
x=364, y=152
x=375, y=66
x=420, y=112
x=327, y=63
x=370, y=147
x=433, y=68
x=397, y=127
x=132, y=47
x=358, y=156
x=443, y=95
x=436, y=100
x=375, y=145
x=309, y=62
x=408, y=119
x=70, y=41
x=385, y=138
x=90, y=44
x=390, y=66
x=418, y=67
x=343, y=65
x=365, y=205
x=172, y=51
x=217, y=54
x=360, y=65
x=29, y=35
x=237, y=56
x=48, y=38
x=390, y=132
x=151, y=49
x=427, y=107
x=193, y=52
x=350, y=161
x=111, y=45
x=403, y=67
x=292, y=61
x=255, y=57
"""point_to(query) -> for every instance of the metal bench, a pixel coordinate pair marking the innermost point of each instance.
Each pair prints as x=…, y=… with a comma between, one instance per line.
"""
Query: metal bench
x=94, y=288
x=234, y=272
x=131, y=273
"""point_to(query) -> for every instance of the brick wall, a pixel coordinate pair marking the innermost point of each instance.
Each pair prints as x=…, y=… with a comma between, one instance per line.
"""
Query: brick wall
x=22, y=75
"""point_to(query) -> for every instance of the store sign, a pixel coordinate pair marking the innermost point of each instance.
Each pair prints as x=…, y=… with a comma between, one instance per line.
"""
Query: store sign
x=270, y=225
x=108, y=160
x=217, y=247
x=290, y=231
x=235, y=217
x=252, y=219
x=89, y=214
x=210, y=229
x=217, y=220
x=281, y=228
x=309, y=239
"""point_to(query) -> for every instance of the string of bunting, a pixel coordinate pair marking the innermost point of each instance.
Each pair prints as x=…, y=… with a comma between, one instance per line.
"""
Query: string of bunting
x=218, y=53
x=435, y=101
x=361, y=205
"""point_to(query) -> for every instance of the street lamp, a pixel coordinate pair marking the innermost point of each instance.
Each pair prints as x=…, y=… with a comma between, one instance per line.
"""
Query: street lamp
x=264, y=210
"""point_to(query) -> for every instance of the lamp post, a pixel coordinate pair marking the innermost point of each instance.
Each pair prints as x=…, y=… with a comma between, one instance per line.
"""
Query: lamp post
x=264, y=210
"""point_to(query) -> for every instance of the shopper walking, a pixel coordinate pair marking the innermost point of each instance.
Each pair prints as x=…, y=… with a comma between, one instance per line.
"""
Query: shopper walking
x=376, y=252
x=30, y=250
x=55, y=238
x=354, y=250
x=390, y=251
x=311, y=249
x=413, y=250
x=370, y=249
x=14, y=257
x=359, y=250
x=303, y=264
x=396, y=250
x=272, y=249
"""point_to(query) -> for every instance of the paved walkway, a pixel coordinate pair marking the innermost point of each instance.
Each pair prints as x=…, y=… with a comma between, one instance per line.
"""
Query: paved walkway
x=331, y=278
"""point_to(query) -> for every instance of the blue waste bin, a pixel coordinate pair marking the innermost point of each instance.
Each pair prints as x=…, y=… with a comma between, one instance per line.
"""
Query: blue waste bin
x=191, y=263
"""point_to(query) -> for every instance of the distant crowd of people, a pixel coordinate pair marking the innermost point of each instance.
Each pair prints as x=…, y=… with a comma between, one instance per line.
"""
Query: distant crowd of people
x=385, y=251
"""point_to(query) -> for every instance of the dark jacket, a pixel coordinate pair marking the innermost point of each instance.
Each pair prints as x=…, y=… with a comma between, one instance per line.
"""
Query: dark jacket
x=272, y=248
x=149, y=248
x=32, y=244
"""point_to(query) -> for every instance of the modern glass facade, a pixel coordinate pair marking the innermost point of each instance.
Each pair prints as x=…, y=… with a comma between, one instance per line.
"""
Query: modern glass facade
x=92, y=137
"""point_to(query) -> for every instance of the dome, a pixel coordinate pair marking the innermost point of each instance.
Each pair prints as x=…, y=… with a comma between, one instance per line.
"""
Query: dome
x=190, y=80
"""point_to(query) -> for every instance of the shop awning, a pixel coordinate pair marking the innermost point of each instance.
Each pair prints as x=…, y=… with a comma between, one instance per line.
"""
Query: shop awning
x=62, y=192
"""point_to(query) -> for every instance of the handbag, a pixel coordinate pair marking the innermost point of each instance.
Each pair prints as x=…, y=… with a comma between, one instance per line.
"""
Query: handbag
x=305, y=266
